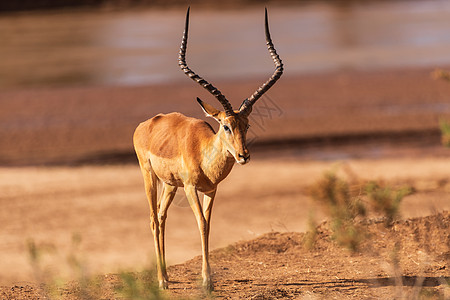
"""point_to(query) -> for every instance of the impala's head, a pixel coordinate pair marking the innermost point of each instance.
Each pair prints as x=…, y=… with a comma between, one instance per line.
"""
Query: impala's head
x=233, y=124
x=232, y=131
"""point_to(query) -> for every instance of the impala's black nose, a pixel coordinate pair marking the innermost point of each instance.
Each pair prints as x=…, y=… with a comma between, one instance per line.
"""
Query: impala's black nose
x=243, y=159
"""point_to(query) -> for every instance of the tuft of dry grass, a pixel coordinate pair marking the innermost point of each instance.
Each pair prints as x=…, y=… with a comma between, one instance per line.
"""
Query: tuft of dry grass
x=130, y=285
x=310, y=238
x=348, y=203
x=441, y=74
x=141, y=286
x=445, y=132
x=334, y=195
x=385, y=200
x=444, y=125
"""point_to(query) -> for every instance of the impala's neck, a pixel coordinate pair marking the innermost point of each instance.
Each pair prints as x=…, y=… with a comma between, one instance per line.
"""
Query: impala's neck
x=217, y=161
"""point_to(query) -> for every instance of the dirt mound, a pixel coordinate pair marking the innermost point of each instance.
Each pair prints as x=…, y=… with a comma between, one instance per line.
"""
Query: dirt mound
x=410, y=258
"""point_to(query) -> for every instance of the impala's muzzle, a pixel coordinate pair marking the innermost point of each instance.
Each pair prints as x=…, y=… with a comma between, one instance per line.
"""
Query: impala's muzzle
x=243, y=159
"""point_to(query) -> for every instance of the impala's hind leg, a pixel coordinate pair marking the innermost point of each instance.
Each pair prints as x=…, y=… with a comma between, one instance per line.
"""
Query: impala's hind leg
x=151, y=186
x=167, y=196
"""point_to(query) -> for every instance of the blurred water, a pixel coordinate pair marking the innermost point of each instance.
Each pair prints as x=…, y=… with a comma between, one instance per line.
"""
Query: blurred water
x=141, y=46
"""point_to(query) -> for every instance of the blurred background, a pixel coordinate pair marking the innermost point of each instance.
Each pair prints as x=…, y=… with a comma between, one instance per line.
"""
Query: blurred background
x=77, y=77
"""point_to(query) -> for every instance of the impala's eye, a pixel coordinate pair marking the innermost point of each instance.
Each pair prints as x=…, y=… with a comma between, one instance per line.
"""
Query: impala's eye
x=226, y=128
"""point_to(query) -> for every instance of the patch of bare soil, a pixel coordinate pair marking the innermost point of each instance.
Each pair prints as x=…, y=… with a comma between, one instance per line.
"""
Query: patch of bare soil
x=407, y=260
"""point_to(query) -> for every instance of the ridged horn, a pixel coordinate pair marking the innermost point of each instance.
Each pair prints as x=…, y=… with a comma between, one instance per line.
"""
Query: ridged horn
x=246, y=106
x=191, y=74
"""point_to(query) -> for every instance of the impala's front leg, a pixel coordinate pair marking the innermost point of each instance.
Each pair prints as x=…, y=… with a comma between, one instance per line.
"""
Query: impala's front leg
x=192, y=195
x=208, y=201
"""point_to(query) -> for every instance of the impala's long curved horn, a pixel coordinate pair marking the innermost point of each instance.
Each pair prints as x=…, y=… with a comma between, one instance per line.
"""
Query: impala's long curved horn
x=246, y=106
x=191, y=74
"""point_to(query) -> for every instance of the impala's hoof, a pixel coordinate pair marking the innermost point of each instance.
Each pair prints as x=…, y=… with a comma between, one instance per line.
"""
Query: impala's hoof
x=163, y=285
x=208, y=285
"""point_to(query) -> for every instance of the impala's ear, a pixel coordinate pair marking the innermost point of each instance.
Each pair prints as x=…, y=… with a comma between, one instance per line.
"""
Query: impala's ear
x=208, y=109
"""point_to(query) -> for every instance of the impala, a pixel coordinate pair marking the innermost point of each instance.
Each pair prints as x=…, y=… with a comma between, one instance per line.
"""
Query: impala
x=178, y=151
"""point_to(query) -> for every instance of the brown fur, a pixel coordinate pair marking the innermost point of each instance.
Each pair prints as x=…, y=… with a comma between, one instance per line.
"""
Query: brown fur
x=182, y=147
x=185, y=152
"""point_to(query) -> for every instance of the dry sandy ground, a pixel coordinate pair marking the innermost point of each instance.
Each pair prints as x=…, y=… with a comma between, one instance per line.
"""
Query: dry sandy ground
x=106, y=206
x=408, y=260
